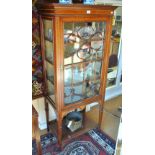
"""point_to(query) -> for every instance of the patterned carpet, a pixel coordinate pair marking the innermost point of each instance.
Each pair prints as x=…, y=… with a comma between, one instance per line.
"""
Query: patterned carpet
x=37, y=75
x=94, y=142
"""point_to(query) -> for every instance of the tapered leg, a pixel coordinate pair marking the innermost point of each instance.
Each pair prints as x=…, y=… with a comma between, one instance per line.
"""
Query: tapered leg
x=47, y=114
x=100, y=113
x=84, y=117
x=36, y=130
x=59, y=130
x=38, y=142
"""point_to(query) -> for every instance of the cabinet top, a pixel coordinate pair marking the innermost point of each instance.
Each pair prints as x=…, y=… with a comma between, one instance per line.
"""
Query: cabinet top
x=46, y=7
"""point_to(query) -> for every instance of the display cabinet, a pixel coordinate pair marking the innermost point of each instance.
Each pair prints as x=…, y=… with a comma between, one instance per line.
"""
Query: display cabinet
x=75, y=43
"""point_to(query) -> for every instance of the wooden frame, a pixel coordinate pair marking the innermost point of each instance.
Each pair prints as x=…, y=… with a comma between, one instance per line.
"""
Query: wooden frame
x=72, y=13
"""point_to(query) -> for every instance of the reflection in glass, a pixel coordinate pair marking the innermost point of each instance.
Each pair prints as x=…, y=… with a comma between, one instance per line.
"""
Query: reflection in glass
x=50, y=72
x=81, y=91
x=73, y=94
x=83, y=41
x=98, y=45
x=68, y=75
x=50, y=80
x=78, y=75
x=86, y=32
x=92, y=88
x=93, y=70
x=121, y=79
x=98, y=68
x=50, y=88
x=69, y=50
x=89, y=71
x=114, y=51
x=49, y=51
x=48, y=35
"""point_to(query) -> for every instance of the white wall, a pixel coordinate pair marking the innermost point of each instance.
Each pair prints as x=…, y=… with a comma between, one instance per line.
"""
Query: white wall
x=40, y=107
x=111, y=2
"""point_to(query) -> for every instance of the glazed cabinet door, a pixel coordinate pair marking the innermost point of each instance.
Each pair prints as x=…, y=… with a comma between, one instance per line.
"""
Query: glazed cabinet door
x=83, y=59
x=49, y=56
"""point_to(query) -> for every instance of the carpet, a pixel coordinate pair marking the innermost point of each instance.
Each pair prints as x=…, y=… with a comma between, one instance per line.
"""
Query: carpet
x=94, y=142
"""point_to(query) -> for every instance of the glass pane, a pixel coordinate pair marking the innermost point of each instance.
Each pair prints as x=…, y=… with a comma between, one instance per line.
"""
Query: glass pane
x=97, y=45
x=48, y=35
x=98, y=69
x=83, y=52
x=49, y=51
x=91, y=88
x=81, y=91
x=73, y=74
x=82, y=72
x=68, y=75
x=50, y=72
x=78, y=74
x=50, y=88
x=73, y=94
x=114, y=51
x=93, y=70
x=50, y=80
x=113, y=63
x=48, y=29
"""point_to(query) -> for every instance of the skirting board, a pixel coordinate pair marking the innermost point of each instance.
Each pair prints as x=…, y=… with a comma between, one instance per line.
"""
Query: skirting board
x=113, y=92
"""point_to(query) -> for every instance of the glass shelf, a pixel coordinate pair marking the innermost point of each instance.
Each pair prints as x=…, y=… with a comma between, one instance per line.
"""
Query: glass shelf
x=49, y=52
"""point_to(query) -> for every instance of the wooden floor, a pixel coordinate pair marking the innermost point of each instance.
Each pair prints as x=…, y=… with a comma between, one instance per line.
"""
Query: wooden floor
x=111, y=116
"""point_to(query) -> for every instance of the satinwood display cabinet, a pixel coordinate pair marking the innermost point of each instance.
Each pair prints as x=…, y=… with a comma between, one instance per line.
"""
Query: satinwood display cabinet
x=75, y=43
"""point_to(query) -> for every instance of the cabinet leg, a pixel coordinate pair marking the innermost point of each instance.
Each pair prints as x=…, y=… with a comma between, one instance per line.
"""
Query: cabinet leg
x=38, y=142
x=100, y=114
x=59, y=130
x=47, y=114
x=84, y=117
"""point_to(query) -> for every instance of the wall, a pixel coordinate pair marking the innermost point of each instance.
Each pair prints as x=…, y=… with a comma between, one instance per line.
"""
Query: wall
x=40, y=107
